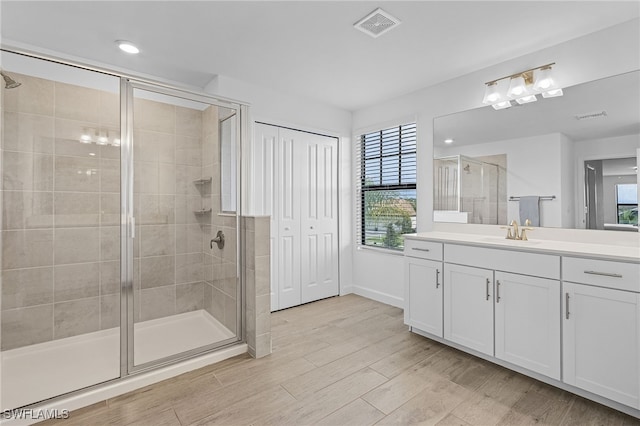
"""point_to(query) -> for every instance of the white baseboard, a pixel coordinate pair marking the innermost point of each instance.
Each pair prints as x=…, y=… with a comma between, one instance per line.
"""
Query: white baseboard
x=346, y=290
x=379, y=296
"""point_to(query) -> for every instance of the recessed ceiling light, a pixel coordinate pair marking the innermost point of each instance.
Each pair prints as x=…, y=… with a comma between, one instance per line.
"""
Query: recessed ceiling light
x=448, y=141
x=127, y=46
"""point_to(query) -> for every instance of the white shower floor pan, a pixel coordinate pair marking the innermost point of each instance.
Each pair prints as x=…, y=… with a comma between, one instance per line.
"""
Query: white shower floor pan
x=34, y=373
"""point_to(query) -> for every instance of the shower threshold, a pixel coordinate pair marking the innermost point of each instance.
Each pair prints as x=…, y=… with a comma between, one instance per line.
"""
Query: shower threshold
x=37, y=372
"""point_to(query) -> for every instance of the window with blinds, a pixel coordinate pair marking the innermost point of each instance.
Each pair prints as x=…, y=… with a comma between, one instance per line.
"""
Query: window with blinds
x=386, y=186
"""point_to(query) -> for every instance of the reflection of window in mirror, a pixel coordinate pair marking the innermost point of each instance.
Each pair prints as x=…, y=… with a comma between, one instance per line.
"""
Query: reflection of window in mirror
x=627, y=203
x=228, y=163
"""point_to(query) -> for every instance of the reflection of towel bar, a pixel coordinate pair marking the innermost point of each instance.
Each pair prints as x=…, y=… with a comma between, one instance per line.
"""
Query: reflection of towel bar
x=548, y=197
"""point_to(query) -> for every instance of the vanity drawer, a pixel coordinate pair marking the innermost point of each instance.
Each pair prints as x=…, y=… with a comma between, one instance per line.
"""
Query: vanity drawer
x=423, y=249
x=517, y=262
x=603, y=273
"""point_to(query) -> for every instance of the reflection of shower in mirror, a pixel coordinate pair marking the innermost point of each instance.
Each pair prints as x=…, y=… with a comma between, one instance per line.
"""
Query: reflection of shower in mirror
x=467, y=194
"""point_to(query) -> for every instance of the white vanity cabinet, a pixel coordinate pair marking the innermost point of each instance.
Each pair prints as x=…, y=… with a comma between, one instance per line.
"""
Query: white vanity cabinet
x=508, y=309
x=468, y=307
x=601, y=328
x=423, y=289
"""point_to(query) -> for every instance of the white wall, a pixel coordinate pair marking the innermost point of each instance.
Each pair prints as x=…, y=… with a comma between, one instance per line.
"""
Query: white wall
x=602, y=54
x=567, y=183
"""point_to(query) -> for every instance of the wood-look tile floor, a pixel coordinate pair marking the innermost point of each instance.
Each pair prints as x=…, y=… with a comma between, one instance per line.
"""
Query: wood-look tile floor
x=349, y=361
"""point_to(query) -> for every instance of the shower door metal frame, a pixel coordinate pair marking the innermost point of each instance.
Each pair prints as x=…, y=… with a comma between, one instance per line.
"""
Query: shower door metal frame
x=127, y=361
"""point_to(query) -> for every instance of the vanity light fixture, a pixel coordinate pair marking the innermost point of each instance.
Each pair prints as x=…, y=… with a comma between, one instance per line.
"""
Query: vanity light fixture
x=523, y=87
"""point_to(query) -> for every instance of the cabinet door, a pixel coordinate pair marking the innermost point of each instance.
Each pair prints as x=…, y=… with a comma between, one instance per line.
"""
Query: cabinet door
x=423, y=295
x=526, y=322
x=600, y=341
x=468, y=307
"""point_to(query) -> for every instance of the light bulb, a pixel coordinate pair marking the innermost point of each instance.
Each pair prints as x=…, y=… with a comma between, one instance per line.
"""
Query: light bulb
x=544, y=80
x=128, y=47
x=448, y=141
x=491, y=94
x=85, y=138
x=517, y=87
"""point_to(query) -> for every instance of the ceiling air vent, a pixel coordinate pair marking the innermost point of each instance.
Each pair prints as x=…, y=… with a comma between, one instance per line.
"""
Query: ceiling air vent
x=377, y=23
x=591, y=115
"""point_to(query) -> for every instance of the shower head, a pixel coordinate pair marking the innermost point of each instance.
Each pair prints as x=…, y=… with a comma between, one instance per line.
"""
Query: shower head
x=9, y=83
x=467, y=169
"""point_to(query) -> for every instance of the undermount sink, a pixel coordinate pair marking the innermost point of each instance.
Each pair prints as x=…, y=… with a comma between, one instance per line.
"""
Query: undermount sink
x=503, y=240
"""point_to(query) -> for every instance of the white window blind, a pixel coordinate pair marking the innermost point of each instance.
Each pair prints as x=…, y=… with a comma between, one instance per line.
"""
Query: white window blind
x=386, y=186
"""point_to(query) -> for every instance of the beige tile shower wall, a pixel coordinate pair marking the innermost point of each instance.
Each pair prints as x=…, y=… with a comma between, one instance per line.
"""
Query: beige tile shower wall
x=169, y=249
x=258, y=286
x=60, y=212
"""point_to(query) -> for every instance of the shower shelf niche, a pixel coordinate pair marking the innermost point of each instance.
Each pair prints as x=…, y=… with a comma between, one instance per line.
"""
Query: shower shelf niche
x=202, y=212
x=203, y=180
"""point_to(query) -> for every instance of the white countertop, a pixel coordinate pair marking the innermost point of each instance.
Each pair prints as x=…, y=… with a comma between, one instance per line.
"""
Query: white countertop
x=620, y=252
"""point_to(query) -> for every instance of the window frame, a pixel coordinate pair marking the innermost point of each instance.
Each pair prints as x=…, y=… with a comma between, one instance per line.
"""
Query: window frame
x=363, y=188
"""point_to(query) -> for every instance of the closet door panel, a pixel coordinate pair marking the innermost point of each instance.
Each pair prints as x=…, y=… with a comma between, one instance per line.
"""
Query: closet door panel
x=319, y=223
x=288, y=218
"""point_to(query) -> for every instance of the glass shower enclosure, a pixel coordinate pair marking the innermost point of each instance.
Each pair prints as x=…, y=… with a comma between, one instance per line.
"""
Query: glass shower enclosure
x=111, y=195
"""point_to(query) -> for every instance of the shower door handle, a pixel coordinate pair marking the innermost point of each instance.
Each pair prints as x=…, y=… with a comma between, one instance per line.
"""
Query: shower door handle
x=219, y=240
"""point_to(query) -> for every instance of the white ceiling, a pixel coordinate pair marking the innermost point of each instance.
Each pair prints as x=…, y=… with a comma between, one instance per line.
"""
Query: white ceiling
x=306, y=48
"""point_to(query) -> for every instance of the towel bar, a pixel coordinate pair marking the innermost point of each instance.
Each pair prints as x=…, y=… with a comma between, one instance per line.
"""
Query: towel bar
x=548, y=197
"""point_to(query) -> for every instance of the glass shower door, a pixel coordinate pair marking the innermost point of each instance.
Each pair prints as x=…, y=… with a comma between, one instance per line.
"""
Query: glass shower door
x=60, y=287
x=186, y=294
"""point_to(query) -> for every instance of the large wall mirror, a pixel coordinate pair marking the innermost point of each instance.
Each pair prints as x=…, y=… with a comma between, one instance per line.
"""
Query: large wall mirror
x=569, y=162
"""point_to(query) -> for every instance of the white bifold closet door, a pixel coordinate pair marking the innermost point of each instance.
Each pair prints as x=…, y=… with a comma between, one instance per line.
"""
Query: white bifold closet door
x=295, y=176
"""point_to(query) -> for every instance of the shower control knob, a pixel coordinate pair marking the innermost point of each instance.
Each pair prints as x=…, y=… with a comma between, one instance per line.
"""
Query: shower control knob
x=219, y=240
